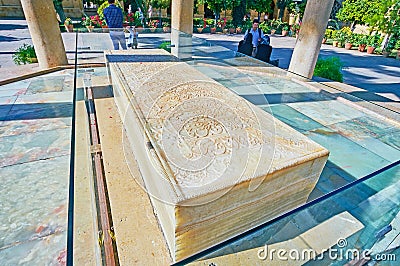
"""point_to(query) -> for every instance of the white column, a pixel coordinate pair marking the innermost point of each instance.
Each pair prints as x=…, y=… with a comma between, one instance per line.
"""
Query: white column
x=45, y=32
x=308, y=44
x=182, y=28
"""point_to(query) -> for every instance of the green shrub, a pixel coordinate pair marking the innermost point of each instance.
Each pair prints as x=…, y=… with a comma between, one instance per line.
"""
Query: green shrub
x=329, y=68
x=24, y=54
x=166, y=46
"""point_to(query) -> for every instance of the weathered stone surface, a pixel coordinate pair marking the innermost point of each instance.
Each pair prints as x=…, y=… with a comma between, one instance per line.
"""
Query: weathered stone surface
x=213, y=164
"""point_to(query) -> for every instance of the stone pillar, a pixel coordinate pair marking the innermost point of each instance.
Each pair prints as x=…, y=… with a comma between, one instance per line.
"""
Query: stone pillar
x=182, y=28
x=308, y=44
x=45, y=32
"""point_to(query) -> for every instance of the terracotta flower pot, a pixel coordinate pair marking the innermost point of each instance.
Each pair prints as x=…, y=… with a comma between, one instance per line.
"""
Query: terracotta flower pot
x=348, y=46
x=361, y=47
x=199, y=30
x=231, y=30
x=213, y=30
x=370, y=49
x=323, y=40
x=284, y=32
x=105, y=28
x=238, y=30
x=335, y=43
x=90, y=28
x=166, y=29
x=273, y=31
x=69, y=28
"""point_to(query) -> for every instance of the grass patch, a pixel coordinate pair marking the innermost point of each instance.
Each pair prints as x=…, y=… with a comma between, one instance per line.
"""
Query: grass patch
x=166, y=46
x=329, y=68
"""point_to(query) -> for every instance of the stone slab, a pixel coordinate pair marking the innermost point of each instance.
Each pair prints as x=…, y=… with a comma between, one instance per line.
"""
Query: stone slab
x=213, y=164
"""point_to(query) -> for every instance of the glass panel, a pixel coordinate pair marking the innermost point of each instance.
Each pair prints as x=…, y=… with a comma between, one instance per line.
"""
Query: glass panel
x=35, y=147
x=362, y=138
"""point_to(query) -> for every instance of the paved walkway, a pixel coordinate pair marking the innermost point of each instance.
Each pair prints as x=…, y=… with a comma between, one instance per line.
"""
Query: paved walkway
x=378, y=75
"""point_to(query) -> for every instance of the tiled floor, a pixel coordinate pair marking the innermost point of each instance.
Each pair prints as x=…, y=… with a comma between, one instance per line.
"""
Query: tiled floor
x=360, y=142
x=35, y=139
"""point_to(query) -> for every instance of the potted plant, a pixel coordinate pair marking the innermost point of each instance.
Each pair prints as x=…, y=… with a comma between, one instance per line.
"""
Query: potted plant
x=361, y=41
x=285, y=29
x=166, y=26
x=68, y=25
x=340, y=38
x=153, y=25
x=229, y=25
x=350, y=38
x=275, y=24
x=25, y=54
x=87, y=22
x=373, y=42
x=296, y=29
x=327, y=35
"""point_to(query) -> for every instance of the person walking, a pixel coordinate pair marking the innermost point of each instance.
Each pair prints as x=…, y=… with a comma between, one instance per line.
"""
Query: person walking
x=114, y=19
x=257, y=35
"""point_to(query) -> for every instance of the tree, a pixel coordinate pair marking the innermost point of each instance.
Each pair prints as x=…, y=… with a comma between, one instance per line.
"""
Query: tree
x=359, y=11
x=59, y=10
x=261, y=6
x=218, y=5
x=238, y=12
x=387, y=17
x=282, y=4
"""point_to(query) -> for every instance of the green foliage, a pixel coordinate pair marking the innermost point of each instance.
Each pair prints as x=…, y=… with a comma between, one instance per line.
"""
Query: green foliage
x=265, y=27
x=329, y=68
x=391, y=44
x=24, y=54
x=160, y=3
x=359, y=39
x=285, y=26
x=342, y=35
x=276, y=24
x=229, y=24
x=166, y=46
x=397, y=45
x=261, y=6
x=328, y=33
x=358, y=10
x=282, y=4
x=238, y=12
x=198, y=22
x=68, y=21
x=374, y=40
x=387, y=17
x=218, y=5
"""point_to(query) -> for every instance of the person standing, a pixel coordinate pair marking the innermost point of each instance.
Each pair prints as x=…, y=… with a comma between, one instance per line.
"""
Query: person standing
x=114, y=19
x=257, y=35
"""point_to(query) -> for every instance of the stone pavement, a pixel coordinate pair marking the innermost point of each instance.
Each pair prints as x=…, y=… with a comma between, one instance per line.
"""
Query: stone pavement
x=378, y=76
